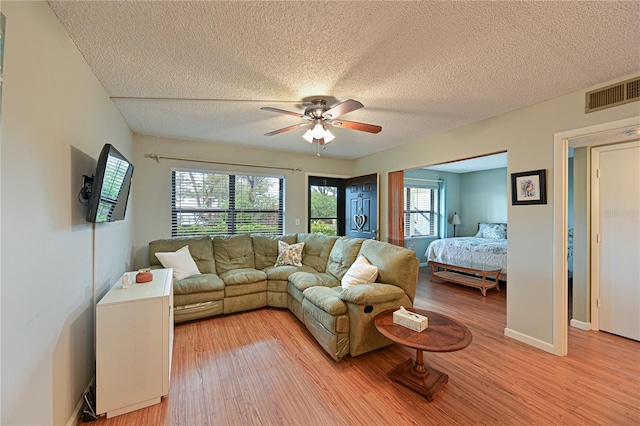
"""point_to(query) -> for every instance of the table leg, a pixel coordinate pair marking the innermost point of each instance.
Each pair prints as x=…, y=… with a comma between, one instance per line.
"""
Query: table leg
x=419, y=377
x=420, y=362
x=484, y=285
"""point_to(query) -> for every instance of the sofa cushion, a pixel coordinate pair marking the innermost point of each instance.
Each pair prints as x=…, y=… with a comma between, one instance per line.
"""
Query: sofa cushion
x=370, y=294
x=327, y=299
x=198, y=284
x=360, y=272
x=181, y=262
x=304, y=280
x=316, y=250
x=201, y=250
x=265, y=248
x=283, y=272
x=243, y=276
x=342, y=255
x=233, y=252
x=289, y=254
x=245, y=289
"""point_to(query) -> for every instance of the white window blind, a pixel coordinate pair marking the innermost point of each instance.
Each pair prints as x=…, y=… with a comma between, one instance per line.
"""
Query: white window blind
x=421, y=211
x=209, y=203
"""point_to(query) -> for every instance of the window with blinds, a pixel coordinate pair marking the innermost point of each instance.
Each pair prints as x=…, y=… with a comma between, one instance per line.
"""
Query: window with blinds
x=209, y=203
x=421, y=211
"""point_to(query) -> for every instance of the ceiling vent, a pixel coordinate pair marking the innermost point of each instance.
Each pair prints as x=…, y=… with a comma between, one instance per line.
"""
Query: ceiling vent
x=616, y=94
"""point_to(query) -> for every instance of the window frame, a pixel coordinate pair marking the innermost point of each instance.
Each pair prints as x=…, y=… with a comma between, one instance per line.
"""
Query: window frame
x=433, y=214
x=232, y=211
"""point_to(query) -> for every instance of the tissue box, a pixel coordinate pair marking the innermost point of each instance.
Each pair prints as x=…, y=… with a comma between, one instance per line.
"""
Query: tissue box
x=411, y=320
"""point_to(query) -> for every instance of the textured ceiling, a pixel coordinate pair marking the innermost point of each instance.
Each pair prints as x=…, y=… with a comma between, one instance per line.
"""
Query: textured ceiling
x=419, y=68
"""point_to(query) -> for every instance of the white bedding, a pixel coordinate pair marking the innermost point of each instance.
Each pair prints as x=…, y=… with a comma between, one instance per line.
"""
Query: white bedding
x=488, y=251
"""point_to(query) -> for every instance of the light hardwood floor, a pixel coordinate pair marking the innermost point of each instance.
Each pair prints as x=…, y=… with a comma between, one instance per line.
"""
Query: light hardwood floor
x=263, y=368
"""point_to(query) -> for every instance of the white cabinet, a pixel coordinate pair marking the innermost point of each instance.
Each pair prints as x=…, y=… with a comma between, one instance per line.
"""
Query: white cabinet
x=134, y=344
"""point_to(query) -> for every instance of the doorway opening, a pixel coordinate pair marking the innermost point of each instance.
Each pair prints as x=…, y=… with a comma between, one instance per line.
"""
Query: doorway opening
x=602, y=134
x=461, y=194
x=343, y=207
x=326, y=205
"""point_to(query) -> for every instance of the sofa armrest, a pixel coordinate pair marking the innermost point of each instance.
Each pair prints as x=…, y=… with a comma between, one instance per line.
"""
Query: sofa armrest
x=369, y=294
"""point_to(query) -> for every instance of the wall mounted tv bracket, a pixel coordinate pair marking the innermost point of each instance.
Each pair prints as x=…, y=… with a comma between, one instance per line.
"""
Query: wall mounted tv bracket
x=85, y=192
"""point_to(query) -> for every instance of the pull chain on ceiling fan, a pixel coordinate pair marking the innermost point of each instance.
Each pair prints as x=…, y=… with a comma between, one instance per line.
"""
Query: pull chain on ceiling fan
x=319, y=115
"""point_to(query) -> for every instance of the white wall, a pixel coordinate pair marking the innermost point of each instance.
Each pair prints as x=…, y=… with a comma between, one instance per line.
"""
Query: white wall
x=152, y=180
x=527, y=134
x=55, y=119
x=483, y=199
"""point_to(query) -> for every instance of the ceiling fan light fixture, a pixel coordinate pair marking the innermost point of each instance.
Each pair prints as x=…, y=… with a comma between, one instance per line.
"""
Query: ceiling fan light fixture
x=318, y=129
x=308, y=136
x=328, y=137
x=318, y=114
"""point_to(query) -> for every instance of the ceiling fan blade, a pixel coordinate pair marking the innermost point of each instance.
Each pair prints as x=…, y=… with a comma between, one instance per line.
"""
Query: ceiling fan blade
x=286, y=129
x=363, y=127
x=341, y=109
x=281, y=111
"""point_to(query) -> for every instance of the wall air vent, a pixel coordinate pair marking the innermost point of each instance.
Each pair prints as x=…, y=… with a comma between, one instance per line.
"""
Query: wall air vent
x=613, y=95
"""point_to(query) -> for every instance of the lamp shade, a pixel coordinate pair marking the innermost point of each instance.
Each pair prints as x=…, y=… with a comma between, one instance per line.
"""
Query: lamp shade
x=308, y=136
x=328, y=136
x=455, y=219
x=318, y=130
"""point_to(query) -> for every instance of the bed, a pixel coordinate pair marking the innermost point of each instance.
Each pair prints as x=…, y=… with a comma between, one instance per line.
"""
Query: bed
x=488, y=247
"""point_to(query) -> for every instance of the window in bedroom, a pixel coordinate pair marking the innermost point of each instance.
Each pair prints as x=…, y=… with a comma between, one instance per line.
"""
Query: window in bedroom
x=210, y=203
x=421, y=211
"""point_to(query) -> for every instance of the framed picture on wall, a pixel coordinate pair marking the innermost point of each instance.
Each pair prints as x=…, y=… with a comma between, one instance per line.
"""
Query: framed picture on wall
x=529, y=187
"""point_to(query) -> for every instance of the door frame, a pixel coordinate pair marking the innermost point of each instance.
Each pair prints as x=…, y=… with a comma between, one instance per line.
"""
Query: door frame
x=581, y=137
x=340, y=217
x=306, y=192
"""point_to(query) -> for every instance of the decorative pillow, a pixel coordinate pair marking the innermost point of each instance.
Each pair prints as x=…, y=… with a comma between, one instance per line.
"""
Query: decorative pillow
x=181, y=261
x=289, y=254
x=495, y=231
x=360, y=272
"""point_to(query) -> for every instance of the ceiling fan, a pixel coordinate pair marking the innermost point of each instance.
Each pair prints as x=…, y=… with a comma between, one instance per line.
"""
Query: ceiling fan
x=318, y=115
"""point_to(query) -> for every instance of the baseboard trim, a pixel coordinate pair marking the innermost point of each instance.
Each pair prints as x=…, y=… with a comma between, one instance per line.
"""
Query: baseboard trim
x=586, y=326
x=532, y=341
x=75, y=416
x=424, y=264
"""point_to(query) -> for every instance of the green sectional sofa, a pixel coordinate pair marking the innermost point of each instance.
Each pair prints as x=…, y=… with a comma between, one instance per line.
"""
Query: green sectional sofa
x=237, y=273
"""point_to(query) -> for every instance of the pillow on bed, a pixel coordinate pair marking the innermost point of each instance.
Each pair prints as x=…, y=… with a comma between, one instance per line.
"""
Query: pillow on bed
x=494, y=231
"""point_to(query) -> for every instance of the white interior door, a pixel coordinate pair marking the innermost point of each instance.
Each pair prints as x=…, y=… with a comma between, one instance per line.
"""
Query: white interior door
x=616, y=204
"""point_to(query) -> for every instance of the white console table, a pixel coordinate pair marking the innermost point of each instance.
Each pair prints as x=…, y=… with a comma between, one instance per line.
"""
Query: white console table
x=134, y=344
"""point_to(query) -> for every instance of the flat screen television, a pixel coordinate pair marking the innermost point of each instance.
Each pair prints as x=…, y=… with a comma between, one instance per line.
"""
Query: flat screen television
x=110, y=187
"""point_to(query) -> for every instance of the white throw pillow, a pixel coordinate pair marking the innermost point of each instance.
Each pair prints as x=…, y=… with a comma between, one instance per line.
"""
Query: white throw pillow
x=181, y=261
x=360, y=272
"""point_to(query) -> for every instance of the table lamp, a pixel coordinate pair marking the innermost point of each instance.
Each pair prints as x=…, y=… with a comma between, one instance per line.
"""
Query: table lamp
x=455, y=220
